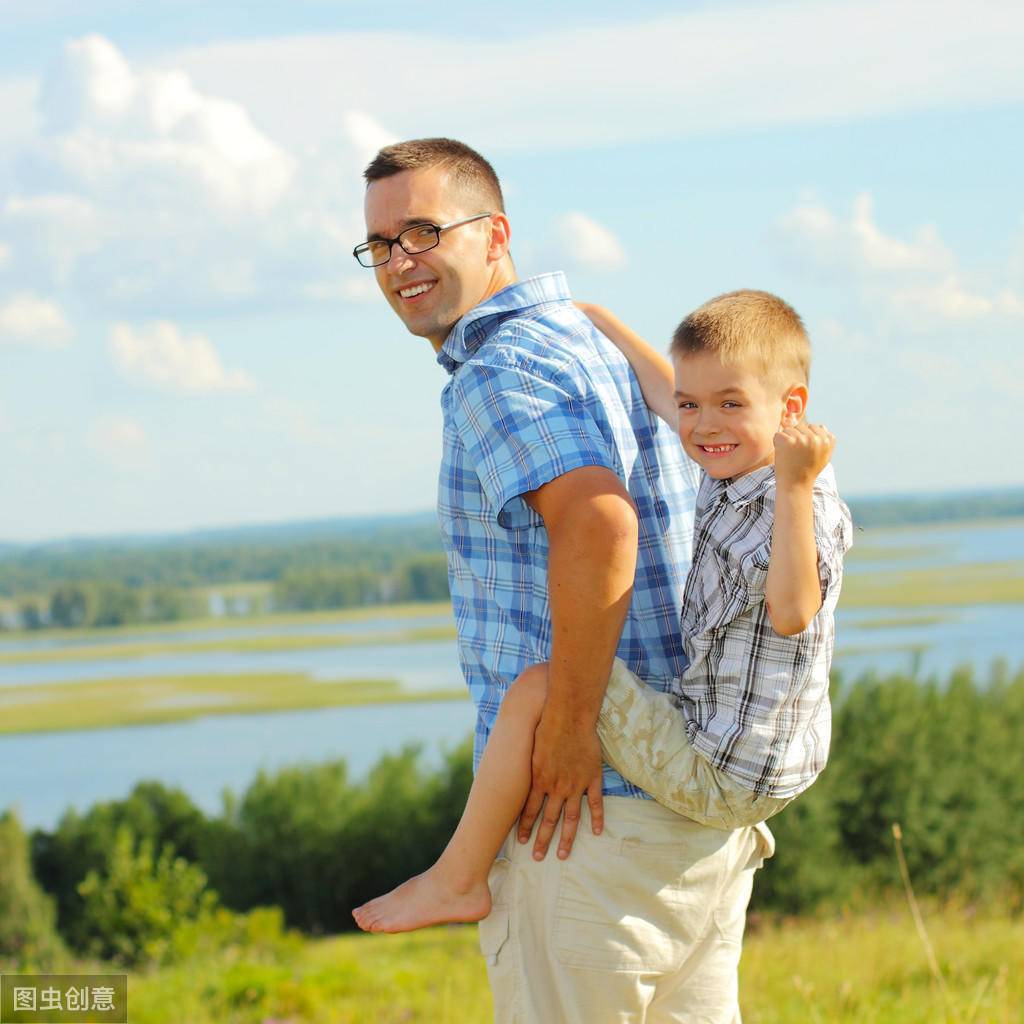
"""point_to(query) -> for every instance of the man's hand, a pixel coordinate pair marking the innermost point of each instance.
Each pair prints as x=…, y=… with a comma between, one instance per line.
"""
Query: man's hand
x=566, y=764
x=801, y=453
x=592, y=532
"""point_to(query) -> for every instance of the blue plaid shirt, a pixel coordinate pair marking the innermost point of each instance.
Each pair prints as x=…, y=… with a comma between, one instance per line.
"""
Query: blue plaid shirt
x=536, y=391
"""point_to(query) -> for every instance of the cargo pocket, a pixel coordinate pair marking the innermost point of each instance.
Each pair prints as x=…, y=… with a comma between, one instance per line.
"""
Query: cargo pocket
x=494, y=933
x=494, y=928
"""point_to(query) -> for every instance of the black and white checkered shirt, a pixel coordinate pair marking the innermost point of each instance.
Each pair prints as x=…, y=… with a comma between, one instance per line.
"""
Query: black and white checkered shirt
x=756, y=703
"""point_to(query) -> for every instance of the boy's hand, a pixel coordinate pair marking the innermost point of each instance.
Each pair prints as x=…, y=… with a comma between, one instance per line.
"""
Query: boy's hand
x=801, y=453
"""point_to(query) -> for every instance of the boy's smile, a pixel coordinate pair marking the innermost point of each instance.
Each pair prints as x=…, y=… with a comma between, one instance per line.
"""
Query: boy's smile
x=729, y=414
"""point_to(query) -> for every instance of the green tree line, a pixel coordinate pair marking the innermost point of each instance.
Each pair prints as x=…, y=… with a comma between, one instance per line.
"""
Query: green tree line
x=942, y=758
x=265, y=554
x=97, y=604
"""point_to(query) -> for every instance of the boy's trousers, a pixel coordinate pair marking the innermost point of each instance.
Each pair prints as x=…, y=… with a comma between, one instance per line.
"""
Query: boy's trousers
x=641, y=924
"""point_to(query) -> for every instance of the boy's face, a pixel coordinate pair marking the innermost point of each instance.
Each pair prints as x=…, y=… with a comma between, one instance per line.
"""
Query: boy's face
x=729, y=414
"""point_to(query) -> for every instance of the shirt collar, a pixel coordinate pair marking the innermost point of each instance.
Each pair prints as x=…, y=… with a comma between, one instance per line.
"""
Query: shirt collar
x=472, y=330
x=742, y=490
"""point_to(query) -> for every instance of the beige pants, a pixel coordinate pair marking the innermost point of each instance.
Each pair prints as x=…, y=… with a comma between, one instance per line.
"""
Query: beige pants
x=641, y=924
x=643, y=737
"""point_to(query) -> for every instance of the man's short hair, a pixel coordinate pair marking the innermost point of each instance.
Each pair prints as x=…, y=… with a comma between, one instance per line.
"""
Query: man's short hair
x=748, y=327
x=469, y=171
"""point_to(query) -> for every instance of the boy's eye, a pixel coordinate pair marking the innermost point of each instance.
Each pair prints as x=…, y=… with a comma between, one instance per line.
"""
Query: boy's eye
x=730, y=405
x=687, y=405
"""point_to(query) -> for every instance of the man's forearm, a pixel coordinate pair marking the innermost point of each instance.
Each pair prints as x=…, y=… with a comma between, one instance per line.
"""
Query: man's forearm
x=591, y=566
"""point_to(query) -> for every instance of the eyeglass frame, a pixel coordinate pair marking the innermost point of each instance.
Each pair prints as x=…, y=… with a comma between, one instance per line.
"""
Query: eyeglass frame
x=438, y=228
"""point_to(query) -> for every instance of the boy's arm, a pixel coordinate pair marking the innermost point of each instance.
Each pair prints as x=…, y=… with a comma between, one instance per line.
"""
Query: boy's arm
x=793, y=587
x=652, y=369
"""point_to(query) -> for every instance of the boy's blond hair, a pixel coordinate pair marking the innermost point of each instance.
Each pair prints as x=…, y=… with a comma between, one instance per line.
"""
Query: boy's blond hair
x=748, y=327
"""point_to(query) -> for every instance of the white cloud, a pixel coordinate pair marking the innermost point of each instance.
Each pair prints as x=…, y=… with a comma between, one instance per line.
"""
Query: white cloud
x=161, y=356
x=113, y=125
x=948, y=299
x=27, y=319
x=858, y=244
x=148, y=196
x=588, y=244
x=366, y=134
x=120, y=440
x=5, y=255
x=715, y=69
x=918, y=280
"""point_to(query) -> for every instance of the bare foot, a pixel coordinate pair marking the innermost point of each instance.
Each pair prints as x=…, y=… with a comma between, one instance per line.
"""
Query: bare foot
x=424, y=900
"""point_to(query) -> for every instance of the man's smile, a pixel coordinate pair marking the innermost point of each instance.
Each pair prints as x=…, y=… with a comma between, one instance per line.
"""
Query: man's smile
x=414, y=290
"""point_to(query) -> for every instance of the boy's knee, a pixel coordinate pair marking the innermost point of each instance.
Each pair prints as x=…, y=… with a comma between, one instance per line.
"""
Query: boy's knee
x=529, y=689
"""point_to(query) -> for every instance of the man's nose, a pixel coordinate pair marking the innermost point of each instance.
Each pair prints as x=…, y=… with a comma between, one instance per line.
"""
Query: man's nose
x=400, y=260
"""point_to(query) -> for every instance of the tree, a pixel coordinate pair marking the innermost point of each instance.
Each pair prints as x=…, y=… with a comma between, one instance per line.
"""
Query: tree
x=132, y=908
x=28, y=932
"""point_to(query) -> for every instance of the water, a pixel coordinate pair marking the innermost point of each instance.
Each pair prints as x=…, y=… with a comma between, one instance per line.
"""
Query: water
x=44, y=773
x=348, y=627
x=423, y=666
x=998, y=541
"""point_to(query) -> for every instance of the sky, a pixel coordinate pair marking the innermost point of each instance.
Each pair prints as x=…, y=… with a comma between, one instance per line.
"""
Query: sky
x=187, y=342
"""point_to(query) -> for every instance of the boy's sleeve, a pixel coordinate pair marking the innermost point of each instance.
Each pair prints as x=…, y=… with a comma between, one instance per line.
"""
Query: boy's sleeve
x=833, y=535
x=521, y=430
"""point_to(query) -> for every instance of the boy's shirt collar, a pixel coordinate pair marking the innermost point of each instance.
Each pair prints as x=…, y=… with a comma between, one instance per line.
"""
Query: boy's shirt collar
x=742, y=490
x=473, y=329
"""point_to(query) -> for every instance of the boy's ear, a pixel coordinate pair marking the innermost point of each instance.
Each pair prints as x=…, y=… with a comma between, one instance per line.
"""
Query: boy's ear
x=795, y=400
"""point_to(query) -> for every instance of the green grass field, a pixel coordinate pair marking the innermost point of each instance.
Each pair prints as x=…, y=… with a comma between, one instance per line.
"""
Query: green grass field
x=941, y=586
x=864, y=969
x=104, y=703
x=241, y=644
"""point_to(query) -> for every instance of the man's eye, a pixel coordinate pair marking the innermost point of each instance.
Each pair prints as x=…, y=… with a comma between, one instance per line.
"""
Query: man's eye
x=421, y=234
x=377, y=249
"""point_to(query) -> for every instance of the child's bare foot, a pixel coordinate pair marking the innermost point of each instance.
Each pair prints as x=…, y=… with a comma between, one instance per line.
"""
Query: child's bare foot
x=424, y=900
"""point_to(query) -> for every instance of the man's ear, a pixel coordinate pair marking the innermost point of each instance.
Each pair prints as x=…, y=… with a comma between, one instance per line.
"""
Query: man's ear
x=501, y=238
x=795, y=399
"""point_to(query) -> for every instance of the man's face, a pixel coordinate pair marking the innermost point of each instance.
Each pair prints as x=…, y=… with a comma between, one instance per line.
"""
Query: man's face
x=431, y=290
x=729, y=415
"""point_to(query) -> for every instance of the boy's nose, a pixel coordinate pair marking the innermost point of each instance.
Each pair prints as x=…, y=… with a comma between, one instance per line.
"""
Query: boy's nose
x=706, y=424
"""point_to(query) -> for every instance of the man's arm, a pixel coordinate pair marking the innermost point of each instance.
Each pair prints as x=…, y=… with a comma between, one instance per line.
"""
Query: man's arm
x=652, y=369
x=592, y=536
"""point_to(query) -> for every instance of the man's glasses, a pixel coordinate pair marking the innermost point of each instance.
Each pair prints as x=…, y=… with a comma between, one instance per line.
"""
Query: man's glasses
x=419, y=238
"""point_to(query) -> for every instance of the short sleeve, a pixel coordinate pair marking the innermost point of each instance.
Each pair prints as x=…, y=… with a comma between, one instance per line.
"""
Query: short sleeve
x=521, y=429
x=833, y=535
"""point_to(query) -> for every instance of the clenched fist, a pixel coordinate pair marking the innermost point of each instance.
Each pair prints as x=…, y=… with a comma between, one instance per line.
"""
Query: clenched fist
x=801, y=453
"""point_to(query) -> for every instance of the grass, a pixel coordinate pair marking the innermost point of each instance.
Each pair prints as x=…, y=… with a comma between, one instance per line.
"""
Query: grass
x=105, y=703
x=862, y=969
x=866, y=551
x=239, y=645
x=948, y=586
x=900, y=620
x=408, y=610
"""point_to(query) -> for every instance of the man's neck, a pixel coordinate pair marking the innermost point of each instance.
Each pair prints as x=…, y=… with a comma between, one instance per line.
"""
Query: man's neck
x=504, y=277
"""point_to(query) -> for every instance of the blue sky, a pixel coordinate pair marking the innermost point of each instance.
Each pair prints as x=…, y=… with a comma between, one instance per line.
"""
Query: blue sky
x=186, y=341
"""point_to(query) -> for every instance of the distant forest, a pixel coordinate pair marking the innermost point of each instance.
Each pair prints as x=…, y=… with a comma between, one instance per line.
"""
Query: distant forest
x=316, y=565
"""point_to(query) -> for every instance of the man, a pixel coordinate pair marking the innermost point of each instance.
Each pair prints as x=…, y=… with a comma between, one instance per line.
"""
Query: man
x=567, y=516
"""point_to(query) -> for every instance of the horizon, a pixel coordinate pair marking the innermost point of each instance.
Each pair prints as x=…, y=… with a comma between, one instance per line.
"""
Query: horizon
x=209, y=531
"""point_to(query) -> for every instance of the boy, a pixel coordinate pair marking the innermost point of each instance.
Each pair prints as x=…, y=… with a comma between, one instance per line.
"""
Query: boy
x=749, y=729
